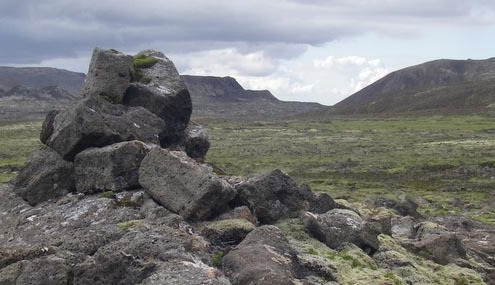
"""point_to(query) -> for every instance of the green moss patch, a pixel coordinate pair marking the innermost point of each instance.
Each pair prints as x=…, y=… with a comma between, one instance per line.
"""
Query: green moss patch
x=144, y=61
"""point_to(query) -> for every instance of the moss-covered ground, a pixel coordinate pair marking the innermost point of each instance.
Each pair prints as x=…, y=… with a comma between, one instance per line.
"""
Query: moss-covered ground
x=447, y=162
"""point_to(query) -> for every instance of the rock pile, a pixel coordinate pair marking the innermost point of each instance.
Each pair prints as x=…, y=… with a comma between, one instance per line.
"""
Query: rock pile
x=119, y=194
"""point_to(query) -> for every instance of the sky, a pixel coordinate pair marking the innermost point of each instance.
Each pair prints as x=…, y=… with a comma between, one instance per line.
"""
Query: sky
x=301, y=50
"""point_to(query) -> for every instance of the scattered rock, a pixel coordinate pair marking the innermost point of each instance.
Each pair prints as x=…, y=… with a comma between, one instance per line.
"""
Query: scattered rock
x=338, y=227
x=403, y=227
x=272, y=196
x=241, y=212
x=45, y=176
x=95, y=122
x=263, y=257
x=227, y=232
x=196, y=143
x=109, y=75
x=322, y=203
x=111, y=168
x=405, y=206
x=183, y=186
x=436, y=243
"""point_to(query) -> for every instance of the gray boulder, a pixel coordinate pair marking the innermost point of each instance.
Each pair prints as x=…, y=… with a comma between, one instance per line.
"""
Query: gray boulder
x=163, y=93
x=272, y=196
x=183, y=186
x=95, y=122
x=337, y=227
x=111, y=168
x=47, y=127
x=45, y=176
x=263, y=257
x=436, y=243
x=109, y=75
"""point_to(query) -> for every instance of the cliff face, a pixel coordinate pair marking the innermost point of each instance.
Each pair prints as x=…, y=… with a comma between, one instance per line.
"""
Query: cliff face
x=436, y=86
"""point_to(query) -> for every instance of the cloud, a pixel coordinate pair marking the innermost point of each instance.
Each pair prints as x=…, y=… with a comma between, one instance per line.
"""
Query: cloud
x=32, y=31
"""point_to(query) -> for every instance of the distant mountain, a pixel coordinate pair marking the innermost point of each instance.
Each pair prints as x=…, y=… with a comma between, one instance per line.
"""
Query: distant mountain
x=26, y=103
x=440, y=86
x=29, y=93
x=224, y=97
x=39, y=77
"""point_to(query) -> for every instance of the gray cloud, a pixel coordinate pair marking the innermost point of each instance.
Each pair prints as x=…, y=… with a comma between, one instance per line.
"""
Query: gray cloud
x=33, y=30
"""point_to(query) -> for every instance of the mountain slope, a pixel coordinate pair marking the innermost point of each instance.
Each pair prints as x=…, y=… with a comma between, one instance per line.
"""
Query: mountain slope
x=224, y=97
x=39, y=77
x=440, y=86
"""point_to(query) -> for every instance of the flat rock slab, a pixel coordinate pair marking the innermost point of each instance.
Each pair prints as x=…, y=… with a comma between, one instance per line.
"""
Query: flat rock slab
x=184, y=186
x=95, y=122
x=111, y=168
x=45, y=176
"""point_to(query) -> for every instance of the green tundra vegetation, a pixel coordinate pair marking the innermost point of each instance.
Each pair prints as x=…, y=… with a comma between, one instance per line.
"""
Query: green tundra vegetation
x=446, y=163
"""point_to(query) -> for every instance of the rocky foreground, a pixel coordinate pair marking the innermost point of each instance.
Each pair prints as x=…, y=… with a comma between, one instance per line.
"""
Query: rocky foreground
x=120, y=194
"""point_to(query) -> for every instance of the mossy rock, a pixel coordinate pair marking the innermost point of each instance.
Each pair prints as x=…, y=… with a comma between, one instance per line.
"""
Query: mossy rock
x=230, y=232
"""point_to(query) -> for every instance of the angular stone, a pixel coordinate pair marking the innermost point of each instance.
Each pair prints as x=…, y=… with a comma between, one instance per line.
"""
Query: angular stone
x=338, y=227
x=45, y=176
x=109, y=75
x=263, y=257
x=183, y=186
x=272, y=196
x=47, y=127
x=227, y=232
x=436, y=243
x=196, y=143
x=164, y=94
x=95, y=122
x=111, y=168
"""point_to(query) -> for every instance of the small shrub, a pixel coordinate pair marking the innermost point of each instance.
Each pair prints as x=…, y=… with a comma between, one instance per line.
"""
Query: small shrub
x=216, y=258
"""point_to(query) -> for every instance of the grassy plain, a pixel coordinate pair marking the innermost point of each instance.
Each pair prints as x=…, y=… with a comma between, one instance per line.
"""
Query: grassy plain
x=446, y=162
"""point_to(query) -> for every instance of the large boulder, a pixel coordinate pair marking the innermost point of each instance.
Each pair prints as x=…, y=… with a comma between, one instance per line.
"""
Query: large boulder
x=109, y=75
x=45, y=176
x=94, y=122
x=264, y=257
x=272, y=196
x=111, y=168
x=162, y=92
x=184, y=186
x=337, y=227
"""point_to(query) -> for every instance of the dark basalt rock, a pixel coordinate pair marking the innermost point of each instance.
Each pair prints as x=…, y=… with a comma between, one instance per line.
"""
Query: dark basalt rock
x=165, y=95
x=45, y=176
x=184, y=186
x=264, y=257
x=337, y=227
x=94, y=122
x=111, y=168
x=272, y=196
x=109, y=75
